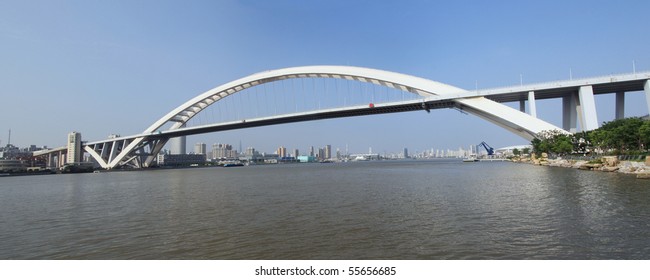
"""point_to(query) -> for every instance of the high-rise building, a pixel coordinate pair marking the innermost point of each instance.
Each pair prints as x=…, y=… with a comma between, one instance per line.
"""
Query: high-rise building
x=250, y=151
x=311, y=151
x=328, y=152
x=282, y=152
x=223, y=151
x=199, y=148
x=74, y=147
x=406, y=153
x=216, y=151
x=296, y=153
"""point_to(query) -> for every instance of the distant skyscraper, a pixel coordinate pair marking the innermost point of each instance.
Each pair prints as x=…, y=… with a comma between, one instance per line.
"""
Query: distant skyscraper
x=296, y=153
x=282, y=152
x=328, y=151
x=223, y=151
x=311, y=151
x=250, y=151
x=199, y=148
x=74, y=147
x=406, y=153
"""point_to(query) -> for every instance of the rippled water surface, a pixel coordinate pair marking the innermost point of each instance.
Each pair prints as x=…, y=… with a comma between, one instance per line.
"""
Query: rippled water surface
x=366, y=210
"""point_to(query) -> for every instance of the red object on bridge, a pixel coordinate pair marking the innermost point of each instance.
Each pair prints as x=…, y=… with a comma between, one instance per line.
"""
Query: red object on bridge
x=371, y=105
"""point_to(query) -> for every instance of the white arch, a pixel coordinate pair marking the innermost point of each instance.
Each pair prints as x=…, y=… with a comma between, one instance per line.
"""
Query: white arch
x=416, y=85
x=515, y=121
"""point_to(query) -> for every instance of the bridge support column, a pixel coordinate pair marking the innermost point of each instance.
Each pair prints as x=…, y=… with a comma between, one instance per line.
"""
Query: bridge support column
x=569, y=113
x=647, y=93
x=587, y=107
x=620, y=105
x=50, y=161
x=179, y=144
x=522, y=106
x=531, y=104
x=60, y=160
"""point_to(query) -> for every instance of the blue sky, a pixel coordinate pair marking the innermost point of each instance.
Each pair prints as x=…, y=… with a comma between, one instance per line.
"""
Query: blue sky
x=102, y=67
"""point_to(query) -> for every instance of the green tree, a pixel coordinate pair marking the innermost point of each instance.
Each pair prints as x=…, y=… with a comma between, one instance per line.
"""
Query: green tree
x=562, y=144
x=537, y=145
x=623, y=135
x=644, y=134
x=628, y=135
x=552, y=141
x=599, y=139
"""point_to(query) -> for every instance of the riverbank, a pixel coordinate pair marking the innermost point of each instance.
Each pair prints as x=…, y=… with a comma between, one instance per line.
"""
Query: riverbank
x=604, y=164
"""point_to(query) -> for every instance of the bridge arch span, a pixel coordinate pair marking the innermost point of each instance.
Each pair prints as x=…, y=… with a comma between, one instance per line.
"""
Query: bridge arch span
x=141, y=150
x=412, y=84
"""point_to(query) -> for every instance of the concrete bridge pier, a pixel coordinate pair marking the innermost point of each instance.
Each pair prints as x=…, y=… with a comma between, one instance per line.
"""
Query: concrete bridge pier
x=587, y=109
x=50, y=161
x=569, y=113
x=620, y=105
x=620, y=101
x=646, y=88
x=532, y=108
x=580, y=106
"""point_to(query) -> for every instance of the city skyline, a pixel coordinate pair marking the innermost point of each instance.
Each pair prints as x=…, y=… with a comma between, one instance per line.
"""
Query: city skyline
x=227, y=151
x=126, y=73
x=198, y=147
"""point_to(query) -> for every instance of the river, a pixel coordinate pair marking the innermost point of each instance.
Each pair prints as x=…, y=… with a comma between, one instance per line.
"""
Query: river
x=439, y=209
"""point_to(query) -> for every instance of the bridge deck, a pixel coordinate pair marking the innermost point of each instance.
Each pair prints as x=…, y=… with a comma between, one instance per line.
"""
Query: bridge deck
x=558, y=89
x=385, y=108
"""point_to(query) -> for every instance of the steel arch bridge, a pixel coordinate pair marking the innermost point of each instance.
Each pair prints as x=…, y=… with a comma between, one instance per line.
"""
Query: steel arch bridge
x=141, y=150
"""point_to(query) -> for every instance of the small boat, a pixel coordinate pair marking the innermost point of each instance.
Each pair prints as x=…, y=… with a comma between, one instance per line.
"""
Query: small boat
x=361, y=158
x=232, y=163
x=471, y=158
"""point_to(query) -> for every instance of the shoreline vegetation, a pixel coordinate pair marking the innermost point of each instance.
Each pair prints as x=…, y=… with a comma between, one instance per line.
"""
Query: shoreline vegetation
x=601, y=149
x=604, y=164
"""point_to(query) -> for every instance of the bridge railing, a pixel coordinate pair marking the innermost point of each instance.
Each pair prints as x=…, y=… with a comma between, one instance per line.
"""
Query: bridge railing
x=570, y=82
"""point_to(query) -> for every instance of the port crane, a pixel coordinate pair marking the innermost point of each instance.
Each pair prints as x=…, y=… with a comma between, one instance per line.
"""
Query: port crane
x=487, y=147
